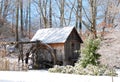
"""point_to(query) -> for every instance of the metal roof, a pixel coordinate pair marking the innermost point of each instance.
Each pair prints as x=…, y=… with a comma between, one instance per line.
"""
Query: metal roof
x=53, y=35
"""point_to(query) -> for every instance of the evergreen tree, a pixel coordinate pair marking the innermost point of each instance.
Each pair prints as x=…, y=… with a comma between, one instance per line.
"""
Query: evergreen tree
x=89, y=55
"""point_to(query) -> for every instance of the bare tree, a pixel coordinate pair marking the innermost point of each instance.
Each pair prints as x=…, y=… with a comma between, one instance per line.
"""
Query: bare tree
x=62, y=3
x=93, y=7
x=79, y=16
x=26, y=17
x=21, y=11
x=61, y=13
x=113, y=10
x=50, y=13
x=17, y=20
x=1, y=7
x=4, y=10
x=42, y=4
x=91, y=17
x=29, y=30
x=110, y=10
x=72, y=10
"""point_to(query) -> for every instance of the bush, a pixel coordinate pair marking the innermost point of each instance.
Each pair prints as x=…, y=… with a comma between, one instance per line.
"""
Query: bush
x=62, y=69
x=89, y=55
x=89, y=70
x=56, y=68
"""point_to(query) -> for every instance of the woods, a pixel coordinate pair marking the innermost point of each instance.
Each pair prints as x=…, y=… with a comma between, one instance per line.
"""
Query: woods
x=29, y=15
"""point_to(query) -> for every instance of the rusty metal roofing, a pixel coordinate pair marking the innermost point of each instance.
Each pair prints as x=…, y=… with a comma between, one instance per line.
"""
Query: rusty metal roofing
x=52, y=35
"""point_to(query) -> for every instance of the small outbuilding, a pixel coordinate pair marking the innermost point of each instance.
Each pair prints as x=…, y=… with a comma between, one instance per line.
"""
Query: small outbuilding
x=65, y=42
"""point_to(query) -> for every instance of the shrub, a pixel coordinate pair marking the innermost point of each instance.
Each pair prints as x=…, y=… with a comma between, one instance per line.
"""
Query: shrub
x=89, y=55
x=89, y=70
x=56, y=68
x=62, y=69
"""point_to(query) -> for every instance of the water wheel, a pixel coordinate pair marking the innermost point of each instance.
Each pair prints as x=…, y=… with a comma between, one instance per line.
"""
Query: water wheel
x=42, y=56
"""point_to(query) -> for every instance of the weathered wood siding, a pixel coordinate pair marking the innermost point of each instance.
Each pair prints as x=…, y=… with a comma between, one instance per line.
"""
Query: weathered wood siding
x=71, y=46
x=58, y=50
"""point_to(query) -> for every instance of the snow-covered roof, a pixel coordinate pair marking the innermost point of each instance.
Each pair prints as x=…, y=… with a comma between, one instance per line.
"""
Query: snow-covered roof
x=53, y=35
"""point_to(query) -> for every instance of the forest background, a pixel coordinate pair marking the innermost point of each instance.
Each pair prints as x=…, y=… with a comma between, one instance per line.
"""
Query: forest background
x=88, y=16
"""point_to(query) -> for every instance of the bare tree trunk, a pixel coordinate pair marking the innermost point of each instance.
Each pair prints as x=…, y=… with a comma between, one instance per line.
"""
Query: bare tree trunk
x=62, y=13
x=26, y=19
x=80, y=15
x=40, y=13
x=17, y=20
x=50, y=14
x=43, y=12
x=29, y=30
x=103, y=30
x=4, y=7
x=13, y=15
x=21, y=9
x=1, y=8
x=77, y=18
x=5, y=12
x=93, y=17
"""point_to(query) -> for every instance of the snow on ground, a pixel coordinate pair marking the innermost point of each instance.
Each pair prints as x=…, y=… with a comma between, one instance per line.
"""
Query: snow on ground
x=118, y=72
x=44, y=76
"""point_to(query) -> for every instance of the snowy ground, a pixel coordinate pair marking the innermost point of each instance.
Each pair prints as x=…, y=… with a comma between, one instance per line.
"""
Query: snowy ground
x=44, y=76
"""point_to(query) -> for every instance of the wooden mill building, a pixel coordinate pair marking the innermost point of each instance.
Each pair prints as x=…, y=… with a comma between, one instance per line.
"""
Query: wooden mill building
x=65, y=42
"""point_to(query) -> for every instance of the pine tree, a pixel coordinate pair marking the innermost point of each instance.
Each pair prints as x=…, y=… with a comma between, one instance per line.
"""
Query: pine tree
x=89, y=52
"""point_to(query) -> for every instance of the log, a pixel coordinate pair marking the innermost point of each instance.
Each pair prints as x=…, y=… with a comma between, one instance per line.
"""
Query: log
x=20, y=42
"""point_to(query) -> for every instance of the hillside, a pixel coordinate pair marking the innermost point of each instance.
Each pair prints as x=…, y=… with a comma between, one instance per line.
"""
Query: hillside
x=6, y=33
x=110, y=49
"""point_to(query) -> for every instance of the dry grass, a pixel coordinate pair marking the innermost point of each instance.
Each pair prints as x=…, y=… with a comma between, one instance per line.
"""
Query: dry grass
x=2, y=53
x=8, y=63
x=4, y=64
